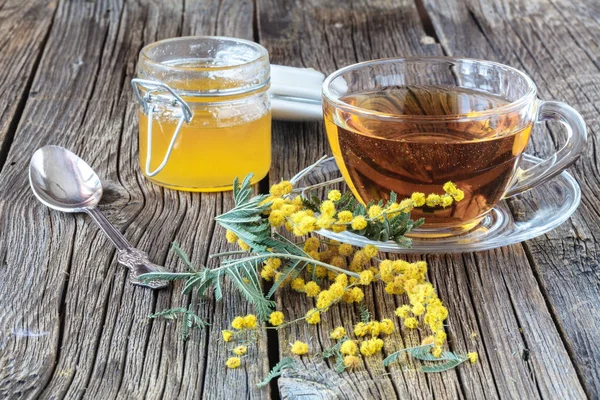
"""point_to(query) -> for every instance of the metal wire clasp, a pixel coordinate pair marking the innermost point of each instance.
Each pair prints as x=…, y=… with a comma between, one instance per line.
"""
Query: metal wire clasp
x=153, y=87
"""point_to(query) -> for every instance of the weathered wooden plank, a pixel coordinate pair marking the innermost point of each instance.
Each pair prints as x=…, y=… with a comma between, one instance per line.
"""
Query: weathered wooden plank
x=326, y=36
x=554, y=42
x=74, y=326
x=24, y=29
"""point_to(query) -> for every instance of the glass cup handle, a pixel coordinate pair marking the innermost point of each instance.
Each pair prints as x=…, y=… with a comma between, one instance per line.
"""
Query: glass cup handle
x=563, y=158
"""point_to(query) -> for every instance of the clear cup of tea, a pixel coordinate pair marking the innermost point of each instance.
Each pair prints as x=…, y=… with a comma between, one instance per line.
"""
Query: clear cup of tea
x=412, y=124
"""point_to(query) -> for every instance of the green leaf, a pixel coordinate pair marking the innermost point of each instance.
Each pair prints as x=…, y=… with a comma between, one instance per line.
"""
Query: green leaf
x=256, y=297
x=189, y=285
x=170, y=314
x=285, y=363
x=441, y=367
x=410, y=350
x=183, y=255
x=365, y=315
x=166, y=276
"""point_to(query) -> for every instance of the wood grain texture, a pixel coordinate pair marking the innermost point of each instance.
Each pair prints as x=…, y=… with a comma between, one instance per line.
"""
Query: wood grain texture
x=24, y=29
x=555, y=42
x=72, y=326
x=496, y=306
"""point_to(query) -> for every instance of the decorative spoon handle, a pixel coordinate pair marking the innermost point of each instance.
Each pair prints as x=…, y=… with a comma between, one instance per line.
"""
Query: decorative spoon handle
x=136, y=260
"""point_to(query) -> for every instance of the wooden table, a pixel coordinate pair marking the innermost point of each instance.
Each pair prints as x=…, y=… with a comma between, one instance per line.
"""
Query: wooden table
x=71, y=324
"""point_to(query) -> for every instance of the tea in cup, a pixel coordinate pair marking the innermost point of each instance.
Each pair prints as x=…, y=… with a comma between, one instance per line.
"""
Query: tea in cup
x=413, y=124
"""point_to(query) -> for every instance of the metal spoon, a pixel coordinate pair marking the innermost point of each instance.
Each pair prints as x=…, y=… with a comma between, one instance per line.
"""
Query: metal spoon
x=64, y=182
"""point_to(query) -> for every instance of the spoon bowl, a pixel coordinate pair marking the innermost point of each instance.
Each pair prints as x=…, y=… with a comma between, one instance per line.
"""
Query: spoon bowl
x=63, y=181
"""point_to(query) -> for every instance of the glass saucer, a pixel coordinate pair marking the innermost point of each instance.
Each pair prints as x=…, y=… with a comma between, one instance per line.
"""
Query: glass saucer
x=513, y=220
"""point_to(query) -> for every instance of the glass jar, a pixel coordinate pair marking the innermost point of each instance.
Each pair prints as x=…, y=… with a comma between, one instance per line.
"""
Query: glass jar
x=205, y=114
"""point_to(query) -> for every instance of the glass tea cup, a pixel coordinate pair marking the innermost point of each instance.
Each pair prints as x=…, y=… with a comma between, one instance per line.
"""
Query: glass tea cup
x=411, y=125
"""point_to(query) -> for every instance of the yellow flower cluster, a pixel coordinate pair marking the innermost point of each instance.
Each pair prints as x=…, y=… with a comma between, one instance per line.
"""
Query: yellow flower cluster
x=374, y=328
x=269, y=270
x=247, y=322
x=327, y=286
x=291, y=213
x=473, y=357
x=233, y=362
x=276, y=318
x=299, y=348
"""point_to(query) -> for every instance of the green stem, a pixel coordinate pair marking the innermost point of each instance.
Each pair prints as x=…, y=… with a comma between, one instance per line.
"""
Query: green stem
x=227, y=253
x=291, y=257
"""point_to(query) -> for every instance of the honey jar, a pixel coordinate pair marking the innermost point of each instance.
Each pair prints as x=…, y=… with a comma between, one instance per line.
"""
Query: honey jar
x=205, y=115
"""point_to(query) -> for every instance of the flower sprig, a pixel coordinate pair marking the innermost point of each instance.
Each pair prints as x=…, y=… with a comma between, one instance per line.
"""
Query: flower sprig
x=327, y=272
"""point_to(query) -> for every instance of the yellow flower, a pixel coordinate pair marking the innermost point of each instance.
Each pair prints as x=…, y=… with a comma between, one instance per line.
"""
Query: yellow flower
x=432, y=200
x=231, y=236
x=371, y=346
x=324, y=299
x=418, y=309
x=357, y=294
x=328, y=208
x=281, y=188
x=227, y=335
x=386, y=271
x=440, y=338
x=298, y=284
x=325, y=222
x=351, y=362
x=312, y=244
x=334, y=195
x=233, y=362
x=299, y=348
x=349, y=347
x=360, y=258
x=277, y=204
x=320, y=272
x=250, y=321
x=406, y=205
x=243, y=245
x=267, y=273
x=374, y=328
x=336, y=290
x=386, y=326
x=338, y=333
x=450, y=187
x=436, y=352
x=240, y=350
x=346, y=249
x=238, y=323
x=366, y=277
x=276, y=318
x=473, y=357
x=342, y=279
x=371, y=251
x=359, y=223
x=313, y=316
x=459, y=195
x=312, y=289
x=411, y=323
x=345, y=216
x=276, y=218
x=374, y=211
x=418, y=198
x=273, y=262
x=361, y=329
x=403, y=311
x=447, y=201
x=428, y=340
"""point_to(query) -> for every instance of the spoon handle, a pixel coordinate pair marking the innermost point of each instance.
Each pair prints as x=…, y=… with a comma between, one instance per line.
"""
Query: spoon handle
x=136, y=260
